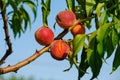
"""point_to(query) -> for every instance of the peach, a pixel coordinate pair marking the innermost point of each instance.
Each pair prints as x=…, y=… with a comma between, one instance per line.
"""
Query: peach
x=78, y=29
x=65, y=19
x=59, y=50
x=44, y=36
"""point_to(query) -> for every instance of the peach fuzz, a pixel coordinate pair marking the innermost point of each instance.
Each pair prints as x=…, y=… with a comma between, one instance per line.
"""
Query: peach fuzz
x=65, y=19
x=44, y=36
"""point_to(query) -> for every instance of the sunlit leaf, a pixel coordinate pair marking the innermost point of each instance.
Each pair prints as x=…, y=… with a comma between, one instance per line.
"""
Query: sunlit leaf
x=101, y=33
x=89, y=6
x=99, y=8
x=103, y=18
x=70, y=4
x=78, y=43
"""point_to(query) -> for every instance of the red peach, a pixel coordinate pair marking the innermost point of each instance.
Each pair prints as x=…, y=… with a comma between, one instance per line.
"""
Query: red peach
x=59, y=50
x=44, y=36
x=65, y=19
x=78, y=29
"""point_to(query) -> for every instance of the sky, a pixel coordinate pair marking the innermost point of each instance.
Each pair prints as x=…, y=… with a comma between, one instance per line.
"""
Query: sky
x=45, y=67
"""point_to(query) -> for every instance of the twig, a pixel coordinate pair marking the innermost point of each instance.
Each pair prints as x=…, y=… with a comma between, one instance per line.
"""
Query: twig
x=7, y=38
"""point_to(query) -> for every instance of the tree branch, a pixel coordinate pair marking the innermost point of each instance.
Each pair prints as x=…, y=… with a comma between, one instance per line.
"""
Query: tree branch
x=7, y=37
x=17, y=66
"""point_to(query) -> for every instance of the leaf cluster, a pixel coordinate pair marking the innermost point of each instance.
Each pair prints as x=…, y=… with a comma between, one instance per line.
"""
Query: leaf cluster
x=19, y=17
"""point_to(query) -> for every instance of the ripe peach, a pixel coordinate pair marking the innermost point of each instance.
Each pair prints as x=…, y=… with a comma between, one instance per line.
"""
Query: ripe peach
x=44, y=36
x=78, y=29
x=59, y=49
x=65, y=18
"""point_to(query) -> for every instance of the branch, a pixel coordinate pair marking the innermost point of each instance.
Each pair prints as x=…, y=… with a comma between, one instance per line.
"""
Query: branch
x=17, y=66
x=7, y=38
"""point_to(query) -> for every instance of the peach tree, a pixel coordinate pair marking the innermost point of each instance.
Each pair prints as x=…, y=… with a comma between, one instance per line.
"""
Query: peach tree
x=85, y=50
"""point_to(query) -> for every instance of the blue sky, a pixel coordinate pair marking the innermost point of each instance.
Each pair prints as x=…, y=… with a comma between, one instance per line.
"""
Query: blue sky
x=45, y=67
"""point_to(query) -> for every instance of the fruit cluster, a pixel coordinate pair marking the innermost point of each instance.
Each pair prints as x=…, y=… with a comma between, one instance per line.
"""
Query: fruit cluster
x=59, y=48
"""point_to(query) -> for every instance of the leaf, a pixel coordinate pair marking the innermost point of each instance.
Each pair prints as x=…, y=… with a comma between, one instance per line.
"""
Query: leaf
x=101, y=33
x=95, y=63
x=78, y=43
x=93, y=58
x=26, y=18
x=45, y=11
x=116, y=62
x=99, y=8
x=89, y=6
x=83, y=64
x=32, y=7
x=115, y=38
x=109, y=45
x=20, y=16
x=71, y=4
x=103, y=18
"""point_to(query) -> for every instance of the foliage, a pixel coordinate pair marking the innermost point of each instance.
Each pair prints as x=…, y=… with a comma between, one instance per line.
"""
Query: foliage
x=93, y=46
x=19, y=16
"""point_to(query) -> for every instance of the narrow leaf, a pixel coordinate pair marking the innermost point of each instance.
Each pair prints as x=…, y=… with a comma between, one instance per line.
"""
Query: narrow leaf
x=83, y=64
x=93, y=58
x=32, y=7
x=109, y=45
x=71, y=4
x=115, y=38
x=99, y=8
x=89, y=6
x=45, y=11
x=101, y=33
x=116, y=62
x=103, y=18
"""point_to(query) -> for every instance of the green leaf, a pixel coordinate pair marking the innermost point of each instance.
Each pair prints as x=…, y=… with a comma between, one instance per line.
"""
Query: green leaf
x=103, y=18
x=32, y=7
x=78, y=43
x=45, y=11
x=83, y=64
x=26, y=18
x=95, y=63
x=89, y=6
x=20, y=16
x=93, y=58
x=115, y=38
x=101, y=33
x=71, y=4
x=109, y=45
x=99, y=8
x=116, y=62
x=13, y=5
